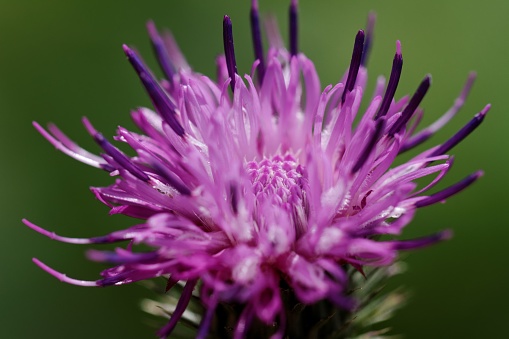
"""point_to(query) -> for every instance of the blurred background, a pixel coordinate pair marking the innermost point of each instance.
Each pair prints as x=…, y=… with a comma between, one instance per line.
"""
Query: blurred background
x=61, y=60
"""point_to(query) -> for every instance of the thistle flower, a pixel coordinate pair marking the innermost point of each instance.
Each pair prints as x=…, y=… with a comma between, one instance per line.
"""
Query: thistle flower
x=261, y=192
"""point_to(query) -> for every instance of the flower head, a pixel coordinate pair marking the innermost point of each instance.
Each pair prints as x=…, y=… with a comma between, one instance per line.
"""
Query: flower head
x=252, y=186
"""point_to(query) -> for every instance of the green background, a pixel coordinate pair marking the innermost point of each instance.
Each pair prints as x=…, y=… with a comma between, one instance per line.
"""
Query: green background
x=61, y=60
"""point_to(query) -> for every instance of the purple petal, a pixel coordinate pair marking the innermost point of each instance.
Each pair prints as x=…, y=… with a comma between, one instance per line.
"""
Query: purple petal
x=294, y=27
x=450, y=191
x=426, y=133
x=79, y=241
x=229, y=50
x=412, y=106
x=462, y=133
x=257, y=40
x=355, y=63
x=160, y=51
x=62, y=277
x=120, y=158
x=184, y=299
x=160, y=99
x=397, y=66
x=375, y=136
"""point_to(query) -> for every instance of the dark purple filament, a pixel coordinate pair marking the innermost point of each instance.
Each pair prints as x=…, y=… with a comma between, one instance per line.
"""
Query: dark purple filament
x=160, y=51
x=120, y=158
x=415, y=140
x=229, y=50
x=160, y=99
x=449, y=191
x=257, y=40
x=462, y=133
x=422, y=242
x=397, y=66
x=412, y=106
x=171, y=179
x=355, y=63
x=234, y=198
x=429, y=131
x=294, y=27
x=182, y=303
x=380, y=124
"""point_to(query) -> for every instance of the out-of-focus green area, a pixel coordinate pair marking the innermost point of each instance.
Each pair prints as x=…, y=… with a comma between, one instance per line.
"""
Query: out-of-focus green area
x=61, y=60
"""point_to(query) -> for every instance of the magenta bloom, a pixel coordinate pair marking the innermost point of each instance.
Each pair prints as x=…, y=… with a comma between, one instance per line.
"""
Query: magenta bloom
x=252, y=185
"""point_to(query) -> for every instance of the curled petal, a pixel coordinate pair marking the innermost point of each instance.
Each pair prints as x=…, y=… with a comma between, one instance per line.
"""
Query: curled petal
x=62, y=277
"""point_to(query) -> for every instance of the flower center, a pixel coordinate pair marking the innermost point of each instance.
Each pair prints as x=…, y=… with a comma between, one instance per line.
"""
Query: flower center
x=280, y=181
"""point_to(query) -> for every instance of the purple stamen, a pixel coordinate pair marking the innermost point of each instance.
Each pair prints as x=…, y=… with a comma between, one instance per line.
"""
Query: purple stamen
x=160, y=99
x=294, y=25
x=171, y=179
x=355, y=63
x=429, y=131
x=422, y=242
x=234, y=198
x=412, y=106
x=380, y=124
x=62, y=277
x=120, y=157
x=160, y=51
x=229, y=50
x=369, y=38
x=446, y=193
x=77, y=241
x=257, y=40
x=184, y=299
x=462, y=133
x=397, y=66
x=66, y=146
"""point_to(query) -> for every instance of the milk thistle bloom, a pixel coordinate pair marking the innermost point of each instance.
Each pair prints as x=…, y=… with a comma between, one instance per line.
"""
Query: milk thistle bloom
x=261, y=194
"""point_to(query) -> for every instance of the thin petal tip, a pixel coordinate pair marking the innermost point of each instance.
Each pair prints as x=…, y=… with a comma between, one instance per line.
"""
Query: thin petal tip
x=89, y=127
x=398, y=48
x=31, y=225
x=151, y=26
x=62, y=277
x=478, y=174
x=127, y=50
x=427, y=79
x=445, y=235
x=485, y=110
